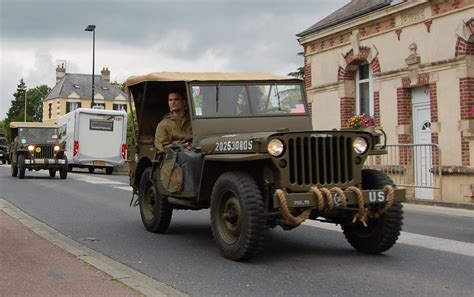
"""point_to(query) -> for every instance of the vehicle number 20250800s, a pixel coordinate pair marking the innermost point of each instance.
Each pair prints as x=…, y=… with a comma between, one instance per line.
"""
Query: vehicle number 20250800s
x=234, y=145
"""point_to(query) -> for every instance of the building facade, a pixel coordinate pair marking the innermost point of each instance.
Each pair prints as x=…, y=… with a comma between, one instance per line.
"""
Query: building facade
x=409, y=65
x=74, y=90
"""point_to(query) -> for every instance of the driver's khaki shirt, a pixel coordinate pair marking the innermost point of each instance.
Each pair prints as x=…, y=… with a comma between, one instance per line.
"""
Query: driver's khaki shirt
x=173, y=130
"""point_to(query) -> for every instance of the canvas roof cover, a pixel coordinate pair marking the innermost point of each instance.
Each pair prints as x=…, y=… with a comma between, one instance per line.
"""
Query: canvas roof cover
x=32, y=125
x=205, y=76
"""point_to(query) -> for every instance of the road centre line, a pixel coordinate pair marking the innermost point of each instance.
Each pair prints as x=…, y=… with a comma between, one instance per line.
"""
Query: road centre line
x=418, y=240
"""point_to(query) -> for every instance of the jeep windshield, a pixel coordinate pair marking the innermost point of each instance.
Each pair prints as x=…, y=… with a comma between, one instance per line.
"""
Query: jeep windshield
x=247, y=100
x=38, y=134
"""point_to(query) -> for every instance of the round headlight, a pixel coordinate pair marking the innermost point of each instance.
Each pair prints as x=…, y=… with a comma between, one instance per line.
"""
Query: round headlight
x=275, y=147
x=31, y=148
x=359, y=145
x=56, y=148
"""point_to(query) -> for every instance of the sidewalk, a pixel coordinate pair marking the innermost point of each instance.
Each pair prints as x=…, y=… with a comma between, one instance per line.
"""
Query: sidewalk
x=32, y=266
x=36, y=260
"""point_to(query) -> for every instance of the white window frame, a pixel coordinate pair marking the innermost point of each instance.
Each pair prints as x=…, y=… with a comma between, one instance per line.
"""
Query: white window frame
x=371, y=90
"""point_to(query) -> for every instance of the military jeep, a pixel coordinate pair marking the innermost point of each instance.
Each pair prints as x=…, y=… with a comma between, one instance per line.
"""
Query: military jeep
x=3, y=150
x=36, y=146
x=257, y=164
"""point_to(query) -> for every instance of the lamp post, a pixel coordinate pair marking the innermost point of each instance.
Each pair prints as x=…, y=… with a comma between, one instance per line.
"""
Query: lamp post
x=91, y=28
x=25, y=103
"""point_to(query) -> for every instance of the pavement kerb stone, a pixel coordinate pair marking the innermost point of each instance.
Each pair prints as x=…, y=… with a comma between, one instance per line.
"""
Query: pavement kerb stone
x=118, y=271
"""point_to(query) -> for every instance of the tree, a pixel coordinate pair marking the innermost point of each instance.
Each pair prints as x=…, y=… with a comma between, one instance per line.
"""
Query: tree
x=299, y=73
x=34, y=103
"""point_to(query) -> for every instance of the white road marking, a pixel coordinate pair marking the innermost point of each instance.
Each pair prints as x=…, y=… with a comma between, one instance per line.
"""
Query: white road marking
x=423, y=241
x=128, y=188
x=94, y=179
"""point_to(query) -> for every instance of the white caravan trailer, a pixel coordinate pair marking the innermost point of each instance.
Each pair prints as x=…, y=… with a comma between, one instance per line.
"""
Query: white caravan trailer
x=95, y=138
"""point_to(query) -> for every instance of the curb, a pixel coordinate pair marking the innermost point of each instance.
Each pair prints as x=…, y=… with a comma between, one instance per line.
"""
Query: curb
x=118, y=271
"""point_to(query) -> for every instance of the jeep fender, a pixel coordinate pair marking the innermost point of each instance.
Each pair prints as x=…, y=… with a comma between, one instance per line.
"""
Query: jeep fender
x=214, y=165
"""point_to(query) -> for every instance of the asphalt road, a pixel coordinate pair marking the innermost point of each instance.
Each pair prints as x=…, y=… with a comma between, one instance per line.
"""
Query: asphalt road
x=434, y=256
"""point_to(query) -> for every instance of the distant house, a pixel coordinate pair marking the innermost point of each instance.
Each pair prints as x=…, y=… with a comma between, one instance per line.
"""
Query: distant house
x=74, y=90
x=410, y=65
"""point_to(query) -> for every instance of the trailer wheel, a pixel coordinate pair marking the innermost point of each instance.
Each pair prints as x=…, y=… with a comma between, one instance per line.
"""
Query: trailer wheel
x=237, y=216
x=155, y=210
x=109, y=170
x=91, y=169
x=52, y=172
x=21, y=166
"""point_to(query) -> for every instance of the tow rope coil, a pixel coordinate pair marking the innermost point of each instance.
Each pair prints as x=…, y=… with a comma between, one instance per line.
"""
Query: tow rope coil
x=325, y=201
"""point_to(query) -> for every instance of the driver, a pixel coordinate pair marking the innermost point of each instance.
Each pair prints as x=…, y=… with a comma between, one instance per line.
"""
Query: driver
x=175, y=127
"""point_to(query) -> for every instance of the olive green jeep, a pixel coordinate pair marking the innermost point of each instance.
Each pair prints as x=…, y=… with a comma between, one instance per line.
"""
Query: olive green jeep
x=3, y=150
x=36, y=146
x=257, y=164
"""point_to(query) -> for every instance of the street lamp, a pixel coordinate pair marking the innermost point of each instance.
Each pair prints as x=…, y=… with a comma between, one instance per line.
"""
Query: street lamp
x=91, y=28
x=25, y=103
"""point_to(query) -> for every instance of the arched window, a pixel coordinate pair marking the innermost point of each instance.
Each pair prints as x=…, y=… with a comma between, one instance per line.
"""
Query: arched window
x=364, y=90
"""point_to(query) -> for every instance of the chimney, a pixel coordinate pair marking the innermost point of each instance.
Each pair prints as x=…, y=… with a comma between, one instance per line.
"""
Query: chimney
x=105, y=73
x=60, y=72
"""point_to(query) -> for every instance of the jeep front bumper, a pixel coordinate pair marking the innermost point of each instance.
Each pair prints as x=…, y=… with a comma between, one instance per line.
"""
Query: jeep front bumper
x=45, y=162
x=308, y=199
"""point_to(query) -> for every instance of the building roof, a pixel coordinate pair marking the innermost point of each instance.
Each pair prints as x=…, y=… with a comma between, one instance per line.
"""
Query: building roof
x=204, y=76
x=81, y=84
x=352, y=10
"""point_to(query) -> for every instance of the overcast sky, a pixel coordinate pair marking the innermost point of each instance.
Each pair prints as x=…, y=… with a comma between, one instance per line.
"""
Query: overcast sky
x=138, y=37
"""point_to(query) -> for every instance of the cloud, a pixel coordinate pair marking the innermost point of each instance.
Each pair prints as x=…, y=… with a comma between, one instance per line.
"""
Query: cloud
x=136, y=37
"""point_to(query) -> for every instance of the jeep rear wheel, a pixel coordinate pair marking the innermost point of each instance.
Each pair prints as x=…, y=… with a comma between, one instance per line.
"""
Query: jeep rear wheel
x=237, y=216
x=52, y=172
x=21, y=166
x=155, y=210
x=382, y=233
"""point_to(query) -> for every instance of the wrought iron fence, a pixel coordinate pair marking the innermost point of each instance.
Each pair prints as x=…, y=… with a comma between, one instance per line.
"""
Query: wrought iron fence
x=416, y=166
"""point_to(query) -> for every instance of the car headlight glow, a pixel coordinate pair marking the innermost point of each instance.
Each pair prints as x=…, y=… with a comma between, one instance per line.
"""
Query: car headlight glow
x=56, y=148
x=360, y=145
x=275, y=147
x=31, y=148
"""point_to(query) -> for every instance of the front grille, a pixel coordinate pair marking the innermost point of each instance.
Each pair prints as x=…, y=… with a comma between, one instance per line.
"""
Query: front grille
x=320, y=160
x=47, y=152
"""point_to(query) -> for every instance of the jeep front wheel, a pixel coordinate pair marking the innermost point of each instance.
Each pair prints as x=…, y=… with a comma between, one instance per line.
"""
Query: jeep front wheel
x=381, y=233
x=64, y=169
x=237, y=216
x=52, y=172
x=14, y=170
x=155, y=210
x=21, y=166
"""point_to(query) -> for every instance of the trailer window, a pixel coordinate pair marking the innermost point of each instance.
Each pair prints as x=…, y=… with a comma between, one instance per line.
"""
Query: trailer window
x=101, y=125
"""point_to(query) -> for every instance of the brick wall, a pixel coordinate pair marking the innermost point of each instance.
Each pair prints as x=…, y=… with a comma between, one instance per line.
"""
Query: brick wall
x=443, y=6
x=377, y=108
x=466, y=91
x=434, y=118
x=404, y=117
x=347, y=109
x=307, y=70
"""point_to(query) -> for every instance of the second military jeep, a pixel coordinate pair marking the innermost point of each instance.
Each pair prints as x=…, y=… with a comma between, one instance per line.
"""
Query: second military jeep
x=36, y=146
x=257, y=163
x=3, y=150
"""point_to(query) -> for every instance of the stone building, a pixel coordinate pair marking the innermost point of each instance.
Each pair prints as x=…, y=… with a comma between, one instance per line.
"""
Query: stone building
x=74, y=90
x=409, y=65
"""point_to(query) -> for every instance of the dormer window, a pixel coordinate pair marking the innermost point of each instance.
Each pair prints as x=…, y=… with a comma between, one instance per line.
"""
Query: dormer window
x=77, y=86
x=104, y=88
